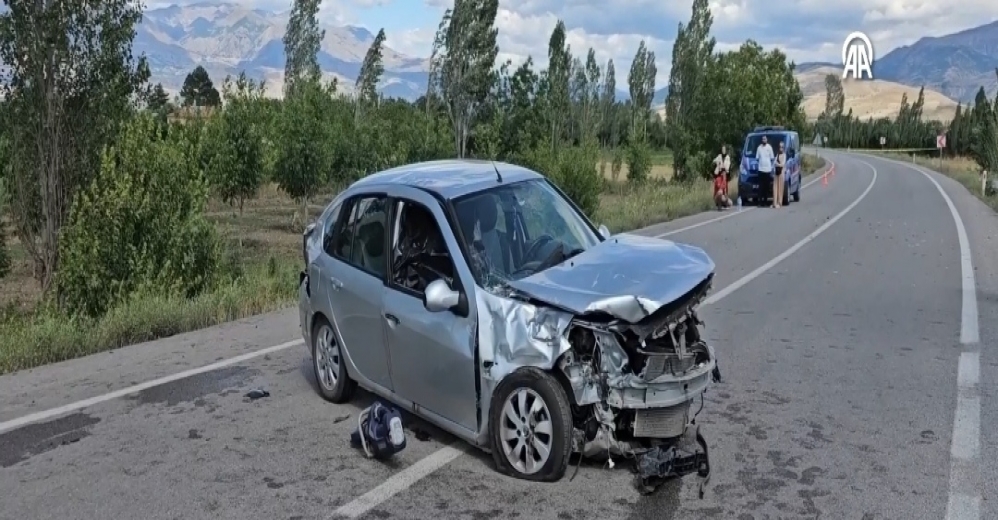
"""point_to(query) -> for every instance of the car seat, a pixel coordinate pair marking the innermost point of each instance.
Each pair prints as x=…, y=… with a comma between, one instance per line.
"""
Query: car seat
x=484, y=210
x=372, y=241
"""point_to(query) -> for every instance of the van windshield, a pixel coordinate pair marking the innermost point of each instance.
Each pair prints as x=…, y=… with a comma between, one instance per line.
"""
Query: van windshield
x=754, y=140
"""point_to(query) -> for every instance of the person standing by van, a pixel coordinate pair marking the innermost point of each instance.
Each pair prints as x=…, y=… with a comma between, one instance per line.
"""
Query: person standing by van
x=764, y=154
x=778, y=186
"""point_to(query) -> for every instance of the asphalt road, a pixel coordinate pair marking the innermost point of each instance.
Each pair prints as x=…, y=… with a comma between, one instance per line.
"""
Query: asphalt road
x=849, y=329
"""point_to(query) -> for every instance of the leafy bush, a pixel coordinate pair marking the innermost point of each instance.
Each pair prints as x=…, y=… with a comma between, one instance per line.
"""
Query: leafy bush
x=235, y=154
x=139, y=227
x=618, y=164
x=4, y=252
x=577, y=176
x=638, y=161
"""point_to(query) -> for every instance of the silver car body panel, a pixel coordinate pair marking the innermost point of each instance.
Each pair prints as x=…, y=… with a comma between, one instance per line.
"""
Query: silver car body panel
x=445, y=368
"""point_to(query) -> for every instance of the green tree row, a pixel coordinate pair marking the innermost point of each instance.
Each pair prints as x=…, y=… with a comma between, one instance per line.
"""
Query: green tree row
x=973, y=131
x=107, y=194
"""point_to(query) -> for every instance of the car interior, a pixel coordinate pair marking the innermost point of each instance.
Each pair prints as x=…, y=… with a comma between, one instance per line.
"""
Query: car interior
x=419, y=254
x=482, y=212
x=361, y=240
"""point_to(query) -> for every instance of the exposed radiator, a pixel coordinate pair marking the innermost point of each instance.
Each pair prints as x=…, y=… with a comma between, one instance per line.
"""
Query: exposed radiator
x=661, y=423
x=671, y=363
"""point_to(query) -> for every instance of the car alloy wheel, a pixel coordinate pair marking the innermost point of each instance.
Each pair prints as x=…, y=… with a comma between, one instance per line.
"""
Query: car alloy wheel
x=527, y=432
x=329, y=364
x=530, y=426
x=327, y=358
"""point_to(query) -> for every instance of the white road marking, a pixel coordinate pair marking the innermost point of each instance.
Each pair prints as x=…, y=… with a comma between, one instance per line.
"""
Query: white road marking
x=737, y=212
x=966, y=440
x=963, y=507
x=400, y=481
x=382, y=493
x=737, y=284
x=79, y=405
x=964, y=479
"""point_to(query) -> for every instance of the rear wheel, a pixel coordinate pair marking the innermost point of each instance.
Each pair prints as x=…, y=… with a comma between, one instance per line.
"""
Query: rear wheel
x=530, y=426
x=329, y=365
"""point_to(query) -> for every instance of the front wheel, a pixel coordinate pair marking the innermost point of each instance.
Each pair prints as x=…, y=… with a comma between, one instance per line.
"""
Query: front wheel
x=530, y=426
x=797, y=193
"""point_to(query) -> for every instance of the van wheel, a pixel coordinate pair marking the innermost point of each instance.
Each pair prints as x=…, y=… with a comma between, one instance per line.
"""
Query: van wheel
x=329, y=365
x=530, y=426
x=785, y=197
x=797, y=193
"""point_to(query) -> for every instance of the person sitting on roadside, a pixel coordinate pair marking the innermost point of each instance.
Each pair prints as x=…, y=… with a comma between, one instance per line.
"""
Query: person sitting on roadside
x=764, y=154
x=722, y=165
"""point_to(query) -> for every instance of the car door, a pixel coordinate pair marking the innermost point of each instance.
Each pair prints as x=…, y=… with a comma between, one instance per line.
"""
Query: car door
x=432, y=353
x=355, y=274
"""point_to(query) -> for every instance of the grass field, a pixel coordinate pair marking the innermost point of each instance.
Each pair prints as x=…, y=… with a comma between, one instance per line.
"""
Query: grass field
x=661, y=168
x=263, y=259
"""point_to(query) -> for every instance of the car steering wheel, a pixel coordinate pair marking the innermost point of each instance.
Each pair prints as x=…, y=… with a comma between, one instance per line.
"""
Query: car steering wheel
x=530, y=265
x=536, y=245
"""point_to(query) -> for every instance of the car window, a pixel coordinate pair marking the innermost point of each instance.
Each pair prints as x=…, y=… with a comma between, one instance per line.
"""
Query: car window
x=419, y=252
x=330, y=228
x=555, y=230
x=360, y=240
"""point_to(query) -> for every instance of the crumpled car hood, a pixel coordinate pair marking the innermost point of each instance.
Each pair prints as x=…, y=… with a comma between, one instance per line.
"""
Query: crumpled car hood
x=626, y=276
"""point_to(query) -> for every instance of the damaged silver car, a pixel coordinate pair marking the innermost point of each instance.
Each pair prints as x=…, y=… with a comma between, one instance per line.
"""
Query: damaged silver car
x=479, y=297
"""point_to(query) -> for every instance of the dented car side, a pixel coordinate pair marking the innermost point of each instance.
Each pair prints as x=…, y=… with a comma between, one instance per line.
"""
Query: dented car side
x=614, y=325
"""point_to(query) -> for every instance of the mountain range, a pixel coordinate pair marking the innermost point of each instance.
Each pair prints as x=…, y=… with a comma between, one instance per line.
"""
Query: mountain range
x=956, y=65
x=228, y=38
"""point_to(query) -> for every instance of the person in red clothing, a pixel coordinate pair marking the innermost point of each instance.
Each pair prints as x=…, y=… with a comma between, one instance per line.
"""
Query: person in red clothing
x=722, y=164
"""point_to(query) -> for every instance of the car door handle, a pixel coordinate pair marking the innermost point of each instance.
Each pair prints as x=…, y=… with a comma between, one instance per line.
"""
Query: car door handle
x=336, y=284
x=392, y=320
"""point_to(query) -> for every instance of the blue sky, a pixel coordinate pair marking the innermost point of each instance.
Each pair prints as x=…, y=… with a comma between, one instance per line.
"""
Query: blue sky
x=807, y=30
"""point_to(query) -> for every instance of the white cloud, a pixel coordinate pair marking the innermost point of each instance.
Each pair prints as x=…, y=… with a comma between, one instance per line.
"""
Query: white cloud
x=806, y=30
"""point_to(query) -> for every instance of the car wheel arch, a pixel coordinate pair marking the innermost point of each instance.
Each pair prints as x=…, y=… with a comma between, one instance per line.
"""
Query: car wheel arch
x=316, y=317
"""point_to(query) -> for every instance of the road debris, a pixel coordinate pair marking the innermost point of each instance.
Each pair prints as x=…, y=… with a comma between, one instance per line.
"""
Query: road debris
x=257, y=393
x=379, y=431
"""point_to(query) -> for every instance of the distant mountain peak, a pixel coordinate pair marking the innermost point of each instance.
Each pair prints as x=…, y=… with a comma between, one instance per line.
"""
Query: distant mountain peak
x=228, y=38
x=361, y=33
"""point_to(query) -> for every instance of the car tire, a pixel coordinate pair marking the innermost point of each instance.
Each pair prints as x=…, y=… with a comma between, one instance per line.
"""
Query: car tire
x=786, y=196
x=329, y=365
x=797, y=193
x=555, y=410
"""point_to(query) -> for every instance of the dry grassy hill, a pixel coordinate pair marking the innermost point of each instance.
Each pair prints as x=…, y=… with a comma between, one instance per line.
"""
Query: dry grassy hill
x=870, y=98
x=866, y=98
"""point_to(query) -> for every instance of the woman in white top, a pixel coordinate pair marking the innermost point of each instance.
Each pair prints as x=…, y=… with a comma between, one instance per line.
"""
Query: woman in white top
x=781, y=162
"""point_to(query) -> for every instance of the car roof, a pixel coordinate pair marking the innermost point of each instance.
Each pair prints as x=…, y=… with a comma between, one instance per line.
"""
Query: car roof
x=449, y=178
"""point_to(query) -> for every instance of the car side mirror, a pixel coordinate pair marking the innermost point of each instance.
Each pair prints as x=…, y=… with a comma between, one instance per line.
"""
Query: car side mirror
x=604, y=231
x=439, y=297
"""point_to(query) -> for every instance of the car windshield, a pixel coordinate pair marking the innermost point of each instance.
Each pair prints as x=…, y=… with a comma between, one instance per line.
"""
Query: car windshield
x=754, y=140
x=516, y=230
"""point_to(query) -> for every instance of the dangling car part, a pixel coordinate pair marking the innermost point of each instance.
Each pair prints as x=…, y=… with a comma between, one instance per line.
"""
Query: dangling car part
x=479, y=297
